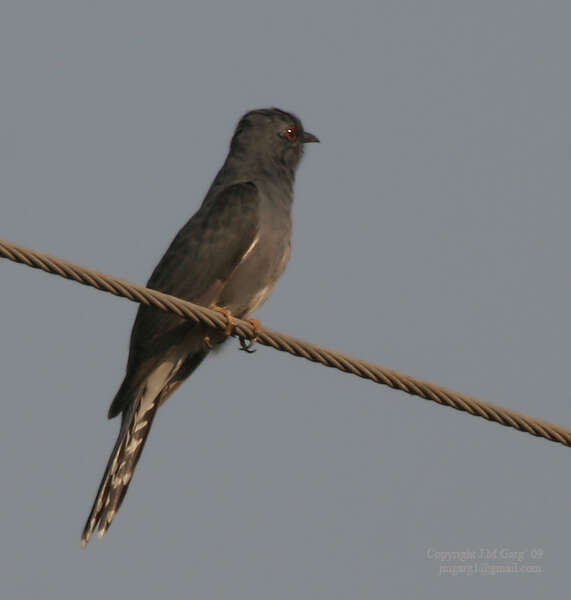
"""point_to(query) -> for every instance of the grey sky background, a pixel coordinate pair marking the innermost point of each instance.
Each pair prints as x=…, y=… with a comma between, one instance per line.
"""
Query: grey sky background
x=430, y=235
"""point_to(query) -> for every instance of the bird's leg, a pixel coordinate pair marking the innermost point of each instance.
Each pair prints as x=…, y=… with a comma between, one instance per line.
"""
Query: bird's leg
x=246, y=345
x=230, y=320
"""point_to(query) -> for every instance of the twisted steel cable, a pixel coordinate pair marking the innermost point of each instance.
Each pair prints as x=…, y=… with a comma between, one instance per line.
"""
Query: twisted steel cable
x=285, y=343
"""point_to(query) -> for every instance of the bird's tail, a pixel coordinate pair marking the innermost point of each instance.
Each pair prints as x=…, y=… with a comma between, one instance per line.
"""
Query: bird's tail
x=135, y=426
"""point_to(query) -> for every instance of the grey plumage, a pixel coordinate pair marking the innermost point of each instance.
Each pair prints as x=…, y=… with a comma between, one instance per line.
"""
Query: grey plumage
x=229, y=254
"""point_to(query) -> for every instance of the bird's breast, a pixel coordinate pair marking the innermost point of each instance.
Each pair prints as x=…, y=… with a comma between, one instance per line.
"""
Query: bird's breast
x=261, y=265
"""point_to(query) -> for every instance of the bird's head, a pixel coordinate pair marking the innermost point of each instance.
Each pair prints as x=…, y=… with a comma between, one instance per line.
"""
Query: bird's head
x=270, y=137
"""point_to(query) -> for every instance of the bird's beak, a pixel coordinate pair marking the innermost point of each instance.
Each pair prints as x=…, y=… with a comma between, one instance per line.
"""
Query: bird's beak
x=309, y=138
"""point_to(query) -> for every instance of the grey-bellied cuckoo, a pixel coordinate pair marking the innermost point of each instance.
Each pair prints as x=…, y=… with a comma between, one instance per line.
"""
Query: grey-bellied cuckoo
x=229, y=255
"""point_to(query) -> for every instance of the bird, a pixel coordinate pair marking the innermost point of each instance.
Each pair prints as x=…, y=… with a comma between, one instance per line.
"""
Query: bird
x=228, y=256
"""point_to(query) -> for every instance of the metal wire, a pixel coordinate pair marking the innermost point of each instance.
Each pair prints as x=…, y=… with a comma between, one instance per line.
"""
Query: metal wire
x=285, y=343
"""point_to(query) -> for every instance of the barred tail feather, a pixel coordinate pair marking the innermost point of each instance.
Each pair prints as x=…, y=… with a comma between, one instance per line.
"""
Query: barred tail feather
x=135, y=427
x=138, y=405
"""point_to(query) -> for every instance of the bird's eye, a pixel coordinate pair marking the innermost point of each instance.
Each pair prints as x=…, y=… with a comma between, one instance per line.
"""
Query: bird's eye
x=291, y=134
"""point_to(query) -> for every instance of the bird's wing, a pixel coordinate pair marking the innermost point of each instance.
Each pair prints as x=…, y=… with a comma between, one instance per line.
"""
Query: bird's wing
x=210, y=246
x=196, y=266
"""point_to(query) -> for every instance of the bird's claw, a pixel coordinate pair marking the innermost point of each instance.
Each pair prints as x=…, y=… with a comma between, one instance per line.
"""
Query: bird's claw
x=246, y=344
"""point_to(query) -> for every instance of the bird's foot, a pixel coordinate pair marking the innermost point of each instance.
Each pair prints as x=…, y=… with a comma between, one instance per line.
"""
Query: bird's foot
x=208, y=342
x=246, y=344
x=230, y=320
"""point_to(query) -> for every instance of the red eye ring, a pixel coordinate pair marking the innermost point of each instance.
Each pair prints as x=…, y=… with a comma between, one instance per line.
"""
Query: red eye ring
x=291, y=134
